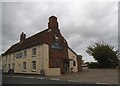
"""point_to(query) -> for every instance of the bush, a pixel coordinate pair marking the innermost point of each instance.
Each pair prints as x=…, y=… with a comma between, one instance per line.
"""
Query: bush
x=98, y=65
x=93, y=65
x=104, y=54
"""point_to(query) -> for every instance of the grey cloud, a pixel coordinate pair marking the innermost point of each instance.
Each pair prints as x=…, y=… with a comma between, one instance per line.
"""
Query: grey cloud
x=0, y=15
x=82, y=24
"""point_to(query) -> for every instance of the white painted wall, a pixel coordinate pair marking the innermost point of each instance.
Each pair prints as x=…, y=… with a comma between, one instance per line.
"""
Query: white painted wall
x=41, y=58
x=42, y=55
x=42, y=61
x=52, y=72
x=74, y=58
x=0, y=62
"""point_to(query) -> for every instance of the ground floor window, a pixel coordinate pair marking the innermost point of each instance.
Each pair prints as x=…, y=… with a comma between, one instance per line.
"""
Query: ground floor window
x=74, y=63
x=24, y=66
x=5, y=67
x=13, y=65
x=9, y=66
x=33, y=65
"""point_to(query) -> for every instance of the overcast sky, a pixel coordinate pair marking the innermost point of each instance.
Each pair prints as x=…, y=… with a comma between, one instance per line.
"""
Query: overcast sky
x=81, y=23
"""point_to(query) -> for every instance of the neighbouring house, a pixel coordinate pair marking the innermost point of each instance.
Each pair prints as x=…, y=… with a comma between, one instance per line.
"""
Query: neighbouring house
x=45, y=53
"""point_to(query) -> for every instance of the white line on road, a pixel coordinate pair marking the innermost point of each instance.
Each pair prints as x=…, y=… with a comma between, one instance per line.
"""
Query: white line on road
x=17, y=76
x=75, y=81
x=101, y=83
x=29, y=77
x=40, y=78
x=23, y=77
x=54, y=79
x=69, y=80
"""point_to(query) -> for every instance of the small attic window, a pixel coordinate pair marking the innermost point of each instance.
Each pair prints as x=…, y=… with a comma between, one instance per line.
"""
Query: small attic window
x=64, y=40
x=56, y=37
x=49, y=30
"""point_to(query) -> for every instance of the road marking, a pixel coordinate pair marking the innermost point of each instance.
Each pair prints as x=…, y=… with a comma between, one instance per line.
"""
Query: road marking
x=23, y=77
x=69, y=80
x=40, y=78
x=29, y=77
x=74, y=81
x=17, y=76
x=54, y=79
x=101, y=83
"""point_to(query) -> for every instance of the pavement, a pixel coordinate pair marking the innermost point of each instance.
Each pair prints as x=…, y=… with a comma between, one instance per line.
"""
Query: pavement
x=107, y=76
x=88, y=76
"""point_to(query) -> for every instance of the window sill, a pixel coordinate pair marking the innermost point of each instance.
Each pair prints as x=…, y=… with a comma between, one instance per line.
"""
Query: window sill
x=33, y=70
x=24, y=57
x=24, y=70
x=33, y=55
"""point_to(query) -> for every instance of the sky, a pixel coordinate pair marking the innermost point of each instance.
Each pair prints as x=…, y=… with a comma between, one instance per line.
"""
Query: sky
x=81, y=23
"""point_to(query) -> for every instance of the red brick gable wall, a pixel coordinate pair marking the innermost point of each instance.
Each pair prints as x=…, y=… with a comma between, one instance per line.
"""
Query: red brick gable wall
x=57, y=56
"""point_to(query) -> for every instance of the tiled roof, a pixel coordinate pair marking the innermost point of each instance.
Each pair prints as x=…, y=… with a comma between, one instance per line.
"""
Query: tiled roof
x=27, y=43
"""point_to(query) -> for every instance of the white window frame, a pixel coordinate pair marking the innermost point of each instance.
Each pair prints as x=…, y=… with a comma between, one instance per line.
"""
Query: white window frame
x=24, y=54
x=14, y=56
x=13, y=65
x=9, y=66
x=9, y=57
x=5, y=67
x=6, y=58
x=34, y=52
x=24, y=66
x=33, y=65
x=74, y=63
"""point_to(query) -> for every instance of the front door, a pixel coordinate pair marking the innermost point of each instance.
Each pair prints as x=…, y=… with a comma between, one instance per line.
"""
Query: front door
x=66, y=66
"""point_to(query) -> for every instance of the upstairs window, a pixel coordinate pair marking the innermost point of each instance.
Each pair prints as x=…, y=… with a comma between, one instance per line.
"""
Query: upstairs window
x=14, y=56
x=19, y=55
x=24, y=54
x=33, y=51
x=9, y=57
x=6, y=58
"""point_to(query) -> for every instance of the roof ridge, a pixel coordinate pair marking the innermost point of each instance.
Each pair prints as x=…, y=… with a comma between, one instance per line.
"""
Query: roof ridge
x=27, y=43
x=37, y=33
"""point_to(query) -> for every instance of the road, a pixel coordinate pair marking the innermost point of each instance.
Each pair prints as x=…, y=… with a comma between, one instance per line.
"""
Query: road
x=6, y=79
x=16, y=80
x=33, y=80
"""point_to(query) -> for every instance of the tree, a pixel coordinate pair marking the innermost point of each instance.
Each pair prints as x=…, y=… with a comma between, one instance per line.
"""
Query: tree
x=104, y=54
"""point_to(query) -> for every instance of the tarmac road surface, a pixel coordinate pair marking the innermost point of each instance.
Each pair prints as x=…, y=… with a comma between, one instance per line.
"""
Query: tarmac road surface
x=6, y=79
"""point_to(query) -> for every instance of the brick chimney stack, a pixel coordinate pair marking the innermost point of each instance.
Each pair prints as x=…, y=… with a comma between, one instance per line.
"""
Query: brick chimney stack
x=53, y=24
x=22, y=36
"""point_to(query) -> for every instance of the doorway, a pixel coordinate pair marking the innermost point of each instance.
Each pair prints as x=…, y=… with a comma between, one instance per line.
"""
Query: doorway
x=66, y=66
